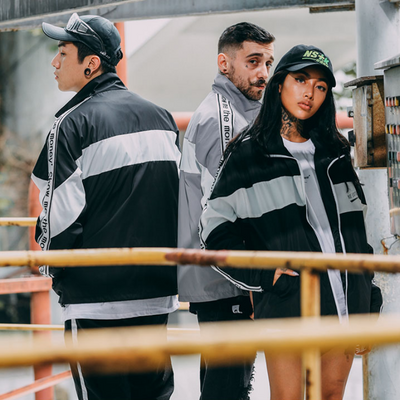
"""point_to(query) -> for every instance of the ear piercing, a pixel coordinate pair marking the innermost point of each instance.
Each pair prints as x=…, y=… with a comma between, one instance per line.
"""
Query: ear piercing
x=87, y=72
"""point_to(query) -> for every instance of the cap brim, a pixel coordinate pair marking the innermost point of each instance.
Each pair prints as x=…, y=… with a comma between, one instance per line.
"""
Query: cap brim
x=298, y=67
x=57, y=33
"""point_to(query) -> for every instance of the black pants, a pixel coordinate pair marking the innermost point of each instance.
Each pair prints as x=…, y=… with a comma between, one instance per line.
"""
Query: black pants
x=231, y=382
x=157, y=385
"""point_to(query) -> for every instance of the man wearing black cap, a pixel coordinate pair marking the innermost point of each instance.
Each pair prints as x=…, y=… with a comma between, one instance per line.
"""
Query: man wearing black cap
x=108, y=177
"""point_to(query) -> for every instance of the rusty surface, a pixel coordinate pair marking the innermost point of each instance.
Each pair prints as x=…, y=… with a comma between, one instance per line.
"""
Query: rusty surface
x=197, y=257
x=171, y=256
x=43, y=372
x=41, y=314
x=378, y=125
x=36, y=386
x=369, y=122
x=365, y=377
x=17, y=221
x=25, y=285
x=30, y=327
x=310, y=293
x=182, y=119
x=362, y=126
x=315, y=10
x=311, y=362
x=35, y=209
x=311, y=307
x=141, y=348
x=122, y=66
x=364, y=80
x=385, y=249
x=307, y=374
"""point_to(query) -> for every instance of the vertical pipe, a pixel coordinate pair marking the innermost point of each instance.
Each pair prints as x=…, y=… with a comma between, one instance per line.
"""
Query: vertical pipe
x=40, y=314
x=34, y=209
x=122, y=67
x=365, y=377
x=40, y=301
x=311, y=359
x=310, y=294
x=378, y=27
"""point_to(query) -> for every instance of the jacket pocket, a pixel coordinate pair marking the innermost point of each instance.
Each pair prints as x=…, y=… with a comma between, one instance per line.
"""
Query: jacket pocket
x=286, y=285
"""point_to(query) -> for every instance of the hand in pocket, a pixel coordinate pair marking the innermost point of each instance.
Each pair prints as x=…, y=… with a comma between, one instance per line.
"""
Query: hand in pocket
x=286, y=271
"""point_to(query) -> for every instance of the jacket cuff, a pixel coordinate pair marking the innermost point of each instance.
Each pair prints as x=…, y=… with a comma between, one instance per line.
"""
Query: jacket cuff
x=267, y=279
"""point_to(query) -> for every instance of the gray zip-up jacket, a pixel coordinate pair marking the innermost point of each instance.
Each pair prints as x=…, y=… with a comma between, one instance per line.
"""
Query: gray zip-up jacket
x=219, y=118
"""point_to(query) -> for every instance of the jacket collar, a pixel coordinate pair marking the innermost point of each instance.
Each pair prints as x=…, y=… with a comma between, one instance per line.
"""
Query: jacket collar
x=225, y=87
x=102, y=83
x=322, y=157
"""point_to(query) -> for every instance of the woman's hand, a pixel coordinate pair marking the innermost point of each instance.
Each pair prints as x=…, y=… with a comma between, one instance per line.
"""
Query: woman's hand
x=280, y=271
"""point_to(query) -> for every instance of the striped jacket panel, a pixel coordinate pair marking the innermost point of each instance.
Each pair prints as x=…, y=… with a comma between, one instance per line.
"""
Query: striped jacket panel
x=108, y=177
x=259, y=203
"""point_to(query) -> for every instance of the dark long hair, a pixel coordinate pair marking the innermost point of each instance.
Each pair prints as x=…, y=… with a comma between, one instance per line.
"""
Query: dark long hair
x=265, y=130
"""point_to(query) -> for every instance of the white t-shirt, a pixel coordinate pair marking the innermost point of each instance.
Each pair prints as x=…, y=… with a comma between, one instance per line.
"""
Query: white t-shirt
x=316, y=214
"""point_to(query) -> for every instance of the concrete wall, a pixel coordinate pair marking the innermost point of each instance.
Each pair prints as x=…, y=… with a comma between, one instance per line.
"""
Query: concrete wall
x=32, y=96
x=176, y=67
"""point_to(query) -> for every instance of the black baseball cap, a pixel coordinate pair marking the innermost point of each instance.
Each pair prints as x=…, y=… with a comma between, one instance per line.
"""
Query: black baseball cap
x=302, y=56
x=97, y=33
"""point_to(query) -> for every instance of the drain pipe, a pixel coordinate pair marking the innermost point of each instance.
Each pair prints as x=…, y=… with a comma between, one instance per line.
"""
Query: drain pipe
x=378, y=33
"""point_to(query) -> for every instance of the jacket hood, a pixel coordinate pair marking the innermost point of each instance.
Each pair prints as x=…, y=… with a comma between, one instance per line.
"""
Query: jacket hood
x=244, y=105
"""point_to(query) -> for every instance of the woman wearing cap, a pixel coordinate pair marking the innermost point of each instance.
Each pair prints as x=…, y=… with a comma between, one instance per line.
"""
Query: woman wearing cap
x=286, y=183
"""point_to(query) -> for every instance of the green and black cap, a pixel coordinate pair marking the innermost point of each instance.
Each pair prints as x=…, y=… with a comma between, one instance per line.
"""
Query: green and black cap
x=303, y=56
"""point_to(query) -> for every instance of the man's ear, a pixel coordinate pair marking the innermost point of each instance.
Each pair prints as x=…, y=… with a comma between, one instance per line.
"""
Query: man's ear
x=94, y=63
x=223, y=61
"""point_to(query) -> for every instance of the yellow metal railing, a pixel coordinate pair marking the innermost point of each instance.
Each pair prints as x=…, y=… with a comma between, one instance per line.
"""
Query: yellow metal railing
x=311, y=333
x=18, y=221
x=310, y=265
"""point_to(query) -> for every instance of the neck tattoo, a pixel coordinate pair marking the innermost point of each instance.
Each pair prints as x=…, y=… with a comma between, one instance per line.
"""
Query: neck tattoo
x=291, y=126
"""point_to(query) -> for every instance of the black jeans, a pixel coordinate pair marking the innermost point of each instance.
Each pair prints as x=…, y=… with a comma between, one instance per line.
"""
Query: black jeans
x=231, y=382
x=157, y=385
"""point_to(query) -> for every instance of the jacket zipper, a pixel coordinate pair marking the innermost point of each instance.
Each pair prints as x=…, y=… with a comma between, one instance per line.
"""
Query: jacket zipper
x=340, y=233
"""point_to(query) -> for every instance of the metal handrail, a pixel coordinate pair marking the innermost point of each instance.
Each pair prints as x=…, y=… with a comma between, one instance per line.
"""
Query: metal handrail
x=172, y=256
x=141, y=348
x=310, y=265
x=18, y=221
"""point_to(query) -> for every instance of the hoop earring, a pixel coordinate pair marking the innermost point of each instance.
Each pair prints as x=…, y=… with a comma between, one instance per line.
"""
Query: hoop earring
x=87, y=72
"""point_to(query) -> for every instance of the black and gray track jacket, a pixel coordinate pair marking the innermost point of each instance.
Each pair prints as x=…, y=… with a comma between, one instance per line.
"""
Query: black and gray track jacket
x=259, y=203
x=108, y=177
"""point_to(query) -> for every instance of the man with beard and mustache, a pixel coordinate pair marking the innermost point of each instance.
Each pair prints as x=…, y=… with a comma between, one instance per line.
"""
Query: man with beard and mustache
x=245, y=56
